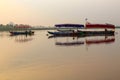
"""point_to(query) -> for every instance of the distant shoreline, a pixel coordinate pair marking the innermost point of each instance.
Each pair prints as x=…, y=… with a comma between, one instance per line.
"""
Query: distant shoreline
x=42, y=28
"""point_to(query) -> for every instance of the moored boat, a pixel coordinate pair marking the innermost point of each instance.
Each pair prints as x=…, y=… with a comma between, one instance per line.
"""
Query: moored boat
x=108, y=29
x=82, y=33
x=65, y=33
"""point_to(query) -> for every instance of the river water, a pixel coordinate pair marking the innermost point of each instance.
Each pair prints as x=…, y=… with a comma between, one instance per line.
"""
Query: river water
x=43, y=57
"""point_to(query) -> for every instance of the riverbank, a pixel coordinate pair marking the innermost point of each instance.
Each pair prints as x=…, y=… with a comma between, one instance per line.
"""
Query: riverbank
x=9, y=28
x=34, y=28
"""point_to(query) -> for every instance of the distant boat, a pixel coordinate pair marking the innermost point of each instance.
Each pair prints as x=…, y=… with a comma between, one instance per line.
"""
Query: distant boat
x=21, y=32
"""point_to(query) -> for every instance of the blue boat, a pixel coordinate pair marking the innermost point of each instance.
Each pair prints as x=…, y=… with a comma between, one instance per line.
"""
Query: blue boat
x=66, y=33
x=21, y=32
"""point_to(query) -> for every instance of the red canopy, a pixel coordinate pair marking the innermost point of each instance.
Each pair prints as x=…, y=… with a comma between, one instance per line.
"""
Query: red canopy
x=105, y=26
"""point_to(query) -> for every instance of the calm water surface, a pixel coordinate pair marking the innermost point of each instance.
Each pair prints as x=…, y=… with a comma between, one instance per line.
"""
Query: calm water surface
x=42, y=57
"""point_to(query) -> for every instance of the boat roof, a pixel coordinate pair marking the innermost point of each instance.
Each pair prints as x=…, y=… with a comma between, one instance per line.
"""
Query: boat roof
x=110, y=26
x=70, y=25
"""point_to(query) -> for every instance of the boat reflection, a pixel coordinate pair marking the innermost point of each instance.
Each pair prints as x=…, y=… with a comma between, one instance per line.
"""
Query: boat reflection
x=22, y=38
x=106, y=40
x=83, y=40
x=70, y=43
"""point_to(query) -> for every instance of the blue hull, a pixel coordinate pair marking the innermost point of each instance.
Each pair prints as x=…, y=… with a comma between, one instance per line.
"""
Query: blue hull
x=65, y=33
x=22, y=33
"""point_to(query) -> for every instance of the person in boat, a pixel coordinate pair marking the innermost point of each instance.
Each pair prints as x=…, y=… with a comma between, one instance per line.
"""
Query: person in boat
x=73, y=31
x=106, y=30
x=26, y=31
x=30, y=31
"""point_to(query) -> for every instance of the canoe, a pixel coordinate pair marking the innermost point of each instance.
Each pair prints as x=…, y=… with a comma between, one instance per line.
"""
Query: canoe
x=65, y=33
x=21, y=32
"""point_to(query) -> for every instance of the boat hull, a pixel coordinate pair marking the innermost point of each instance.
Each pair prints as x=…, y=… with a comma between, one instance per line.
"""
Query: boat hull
x=65, y=33
x=83, y=33
x=21, y=33
x=98, y=33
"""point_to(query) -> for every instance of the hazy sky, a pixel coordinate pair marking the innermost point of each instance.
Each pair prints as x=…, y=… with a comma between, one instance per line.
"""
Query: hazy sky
x=50, y=12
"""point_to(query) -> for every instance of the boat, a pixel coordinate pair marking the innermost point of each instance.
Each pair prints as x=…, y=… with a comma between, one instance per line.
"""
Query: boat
x=105, y=28
x=21, y=32
x=85, y=30
x=80, y=33
x=67, y=32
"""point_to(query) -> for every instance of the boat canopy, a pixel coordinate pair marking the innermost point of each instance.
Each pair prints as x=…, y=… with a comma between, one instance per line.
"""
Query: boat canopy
x=70, y=25
x=105, y=26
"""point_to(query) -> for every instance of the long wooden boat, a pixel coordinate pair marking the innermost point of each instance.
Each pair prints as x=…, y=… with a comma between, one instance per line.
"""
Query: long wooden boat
x=83, y=33
x=21, y=32
x=65, y=33
x=98, y=33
